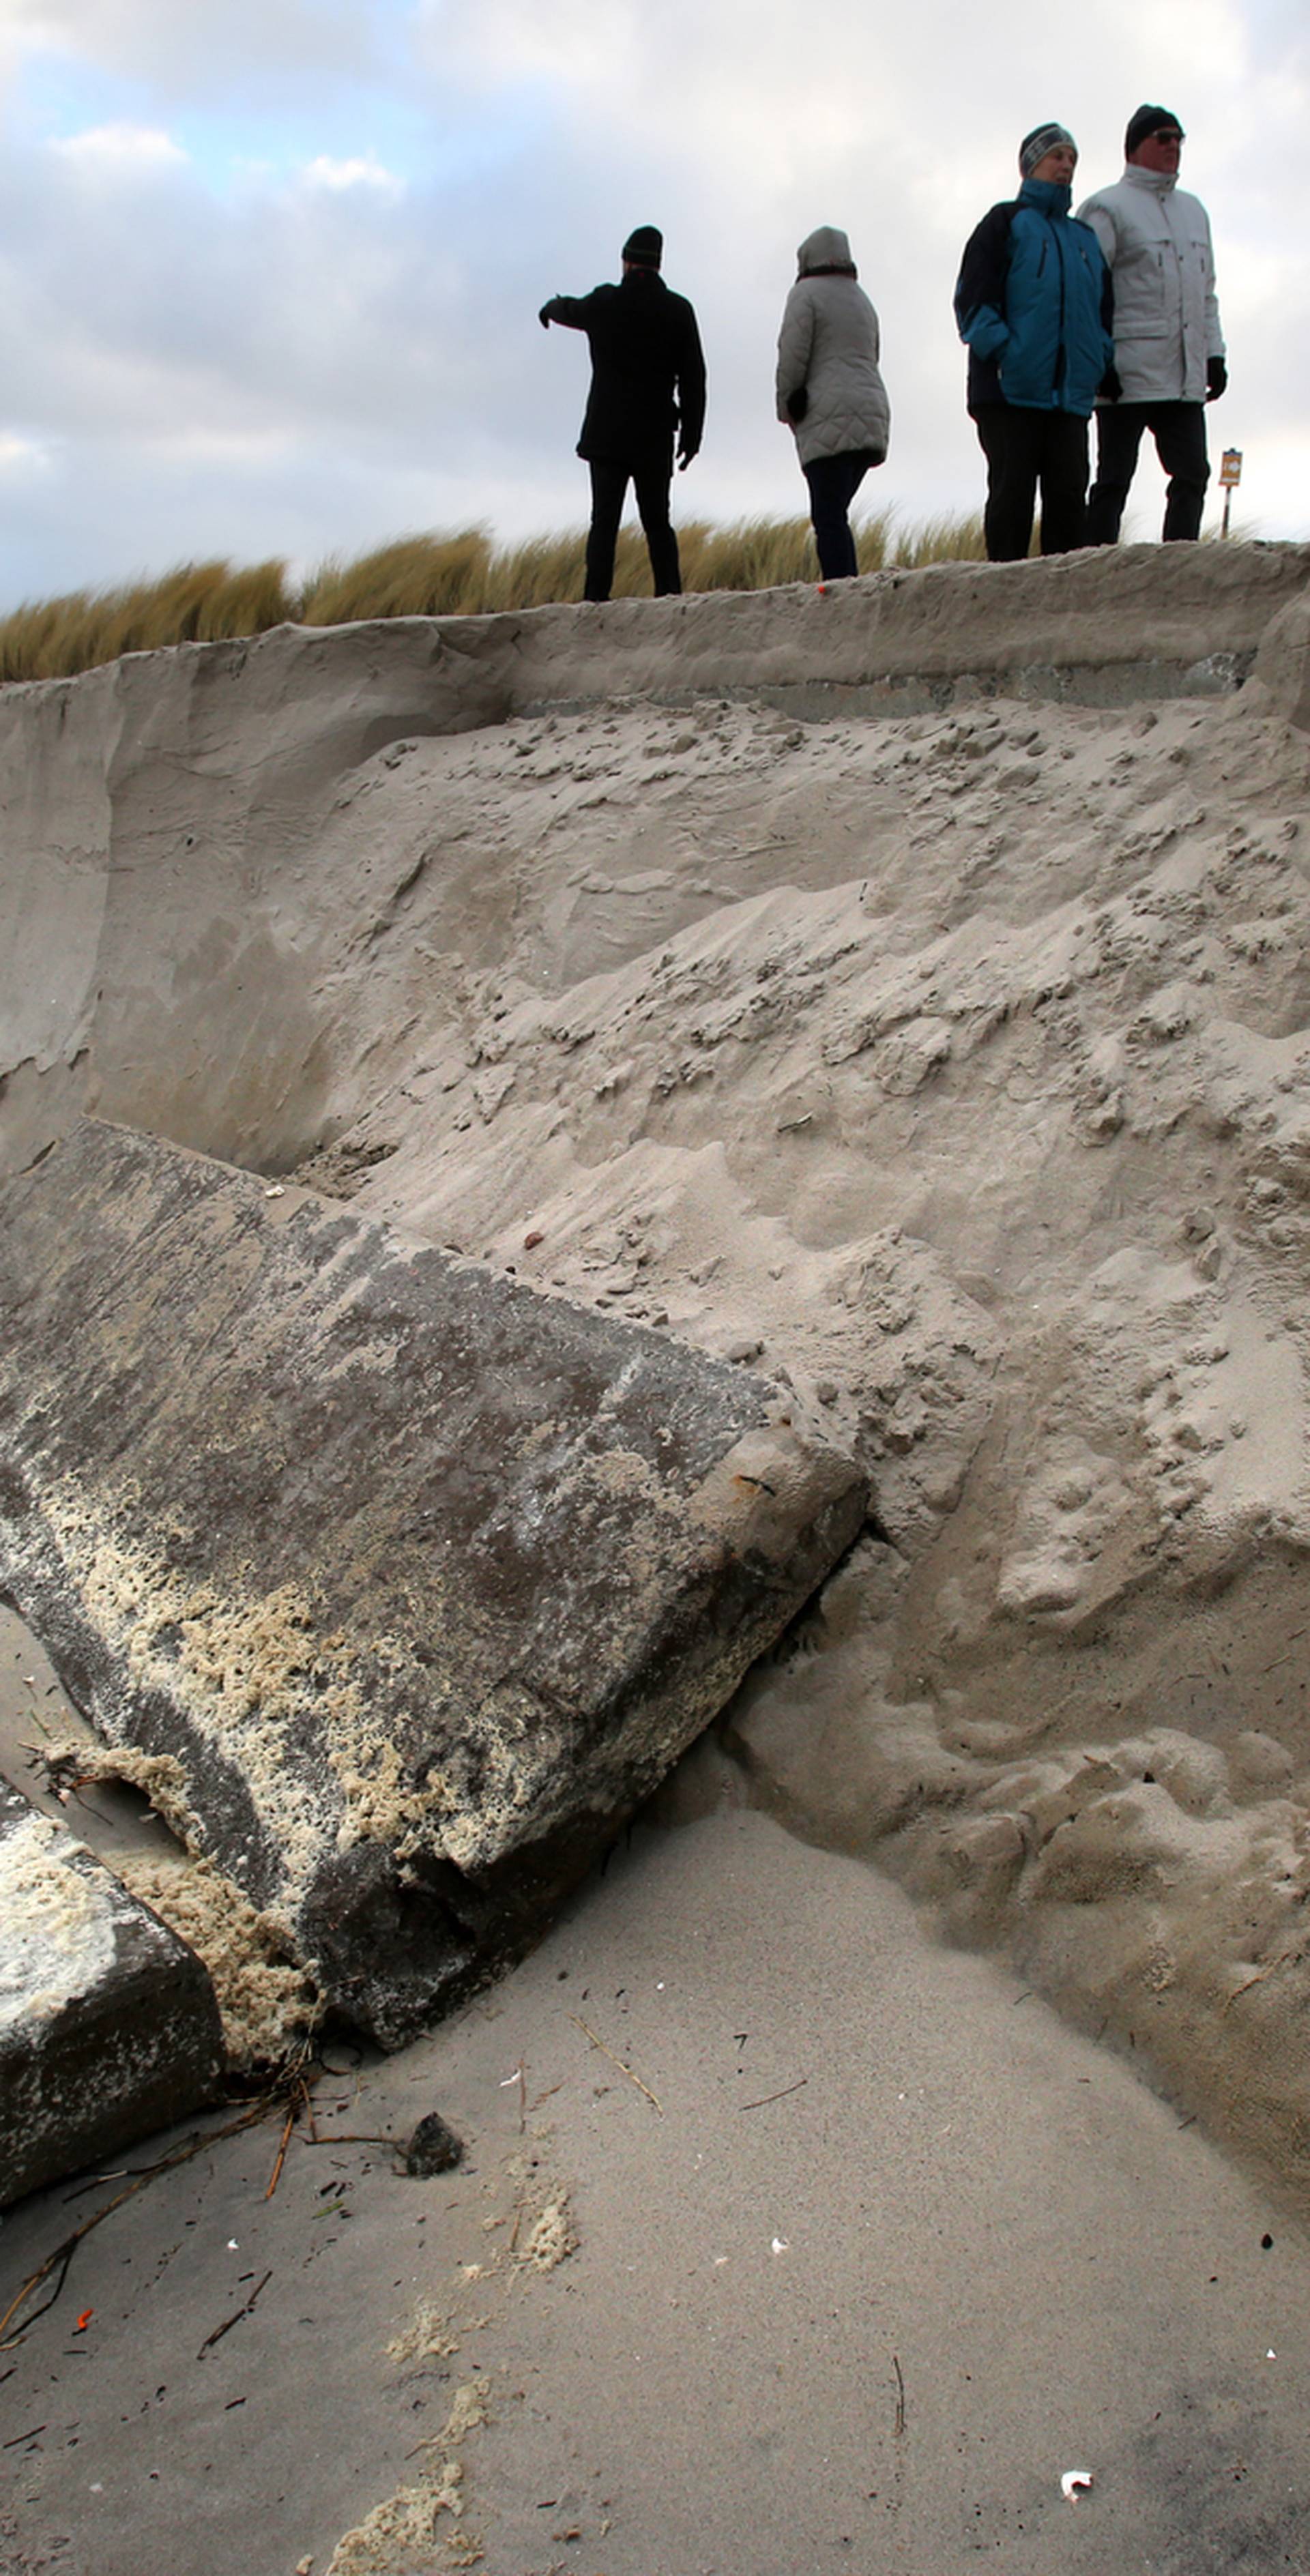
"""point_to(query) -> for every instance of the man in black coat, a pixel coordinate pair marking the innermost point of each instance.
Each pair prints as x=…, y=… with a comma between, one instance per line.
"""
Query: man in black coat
x=647, y=382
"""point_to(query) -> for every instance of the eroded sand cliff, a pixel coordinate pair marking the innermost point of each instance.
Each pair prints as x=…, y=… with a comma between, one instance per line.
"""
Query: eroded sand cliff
x=944, y=1047
x=906, y=990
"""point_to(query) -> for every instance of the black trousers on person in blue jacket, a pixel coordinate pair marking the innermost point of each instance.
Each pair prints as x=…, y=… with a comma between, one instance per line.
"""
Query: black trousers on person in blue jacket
x=1024, y=449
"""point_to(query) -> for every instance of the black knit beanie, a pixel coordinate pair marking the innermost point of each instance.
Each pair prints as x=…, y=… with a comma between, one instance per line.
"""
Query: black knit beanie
x=1145, y=122
x=645, y=247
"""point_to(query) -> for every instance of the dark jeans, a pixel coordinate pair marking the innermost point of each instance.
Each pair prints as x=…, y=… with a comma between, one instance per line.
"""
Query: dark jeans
x=1178, y=429
x=1024, y=448
x=834, y=482
x=609, y=486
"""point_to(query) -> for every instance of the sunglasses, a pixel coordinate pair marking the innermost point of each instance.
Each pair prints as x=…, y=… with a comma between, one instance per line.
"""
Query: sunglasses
x=1167, y=134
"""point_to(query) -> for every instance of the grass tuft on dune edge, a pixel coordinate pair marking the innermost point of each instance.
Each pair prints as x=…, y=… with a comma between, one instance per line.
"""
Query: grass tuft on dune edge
x=446, y=573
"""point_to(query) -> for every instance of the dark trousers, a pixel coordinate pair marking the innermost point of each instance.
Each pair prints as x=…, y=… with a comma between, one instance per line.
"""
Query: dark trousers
x=1178, y=429
x=834, y=482
x=1024, y=448
x=609, y=486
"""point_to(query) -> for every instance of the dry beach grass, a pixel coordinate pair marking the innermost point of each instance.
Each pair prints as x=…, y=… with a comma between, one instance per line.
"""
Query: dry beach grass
x=441, y=573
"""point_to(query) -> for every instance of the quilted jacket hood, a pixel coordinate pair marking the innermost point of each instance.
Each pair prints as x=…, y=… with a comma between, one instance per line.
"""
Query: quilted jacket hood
x=824, y=250
x=829, y=344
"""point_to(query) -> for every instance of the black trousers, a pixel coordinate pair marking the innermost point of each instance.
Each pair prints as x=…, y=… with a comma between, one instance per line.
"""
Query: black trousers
x=834, y=482
x=1178, y=429
x=1025, y=448
x=609, y=486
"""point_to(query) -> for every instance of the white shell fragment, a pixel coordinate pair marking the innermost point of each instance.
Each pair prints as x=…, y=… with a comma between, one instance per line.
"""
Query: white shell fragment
x=1072, y=2481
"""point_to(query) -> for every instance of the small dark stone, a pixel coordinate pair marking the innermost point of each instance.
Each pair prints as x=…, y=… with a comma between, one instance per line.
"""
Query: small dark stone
x=434, y=2147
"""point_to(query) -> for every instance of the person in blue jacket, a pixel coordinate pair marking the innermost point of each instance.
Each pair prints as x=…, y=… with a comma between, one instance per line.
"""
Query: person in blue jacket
x=1034, y=304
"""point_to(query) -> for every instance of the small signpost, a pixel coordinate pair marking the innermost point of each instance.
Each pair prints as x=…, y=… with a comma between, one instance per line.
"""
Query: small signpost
x=1230, y=475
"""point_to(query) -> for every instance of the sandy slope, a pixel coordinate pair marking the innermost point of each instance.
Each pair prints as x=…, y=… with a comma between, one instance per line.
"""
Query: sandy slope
x=958, y=1063
x=963, y=1066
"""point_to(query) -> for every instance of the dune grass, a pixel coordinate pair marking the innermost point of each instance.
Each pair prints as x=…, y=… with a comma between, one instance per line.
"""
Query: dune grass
x=194, y=604
x=458, y=572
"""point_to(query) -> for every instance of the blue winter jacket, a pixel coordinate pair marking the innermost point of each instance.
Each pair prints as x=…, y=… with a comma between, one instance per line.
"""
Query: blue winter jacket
x=1035, y=304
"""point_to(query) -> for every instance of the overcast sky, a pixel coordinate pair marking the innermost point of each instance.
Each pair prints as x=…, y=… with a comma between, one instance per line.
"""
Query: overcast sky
x=270, y=269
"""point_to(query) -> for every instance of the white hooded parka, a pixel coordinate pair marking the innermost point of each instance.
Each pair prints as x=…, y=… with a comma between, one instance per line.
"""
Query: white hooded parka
x=829, y=344
x=1156, y=240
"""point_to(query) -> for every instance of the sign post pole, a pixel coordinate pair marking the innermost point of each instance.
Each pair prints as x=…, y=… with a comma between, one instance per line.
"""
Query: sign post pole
x=1230, y=475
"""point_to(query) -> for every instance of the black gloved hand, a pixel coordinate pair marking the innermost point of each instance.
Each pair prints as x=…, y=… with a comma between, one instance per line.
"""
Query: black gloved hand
x=1109, y=386
x=798, y=403
x=1216, y=378
x=685, y=455
x=544, y=317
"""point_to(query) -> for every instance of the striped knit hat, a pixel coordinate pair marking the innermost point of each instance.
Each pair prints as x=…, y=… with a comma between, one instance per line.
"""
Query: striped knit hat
x=1035, y=146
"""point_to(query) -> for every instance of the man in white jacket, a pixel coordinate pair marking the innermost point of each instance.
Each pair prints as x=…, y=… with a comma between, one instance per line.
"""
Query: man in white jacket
x=1168, y=346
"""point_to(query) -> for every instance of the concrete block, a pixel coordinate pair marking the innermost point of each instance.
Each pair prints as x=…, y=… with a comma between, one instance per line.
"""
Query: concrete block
x=404, y=1582
x=108, y=2023
x=1282, y=665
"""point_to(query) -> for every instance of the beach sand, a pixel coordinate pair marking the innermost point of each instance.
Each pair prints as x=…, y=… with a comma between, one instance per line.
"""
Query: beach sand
x=889, y=2252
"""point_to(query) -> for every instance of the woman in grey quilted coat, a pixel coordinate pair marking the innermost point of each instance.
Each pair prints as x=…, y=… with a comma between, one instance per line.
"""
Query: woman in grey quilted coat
x=830, y=393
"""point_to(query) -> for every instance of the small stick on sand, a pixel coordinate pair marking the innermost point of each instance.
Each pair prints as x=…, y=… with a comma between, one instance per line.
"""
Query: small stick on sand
x=276, y=2175
x=598, y=2042
x=774, y=2097
x=229, y=2322
x=899, y=2426
x=352, y=2138
x=1282, y=1961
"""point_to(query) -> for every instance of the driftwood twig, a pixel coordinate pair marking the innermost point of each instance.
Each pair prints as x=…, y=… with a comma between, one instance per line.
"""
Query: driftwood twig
x=283, y=2143
x=606, y=2051
x=229, y=2322
x=774, y=2097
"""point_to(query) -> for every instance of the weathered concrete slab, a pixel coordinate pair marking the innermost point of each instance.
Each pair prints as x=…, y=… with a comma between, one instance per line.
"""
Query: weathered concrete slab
x=407, y=1581
x=1282, y=664
x=108, y=2023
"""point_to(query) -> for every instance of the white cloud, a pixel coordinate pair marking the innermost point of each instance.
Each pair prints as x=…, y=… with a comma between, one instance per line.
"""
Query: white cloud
x=119, y=147
x=23, y=457
x=200, y=52
x=323, y=172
